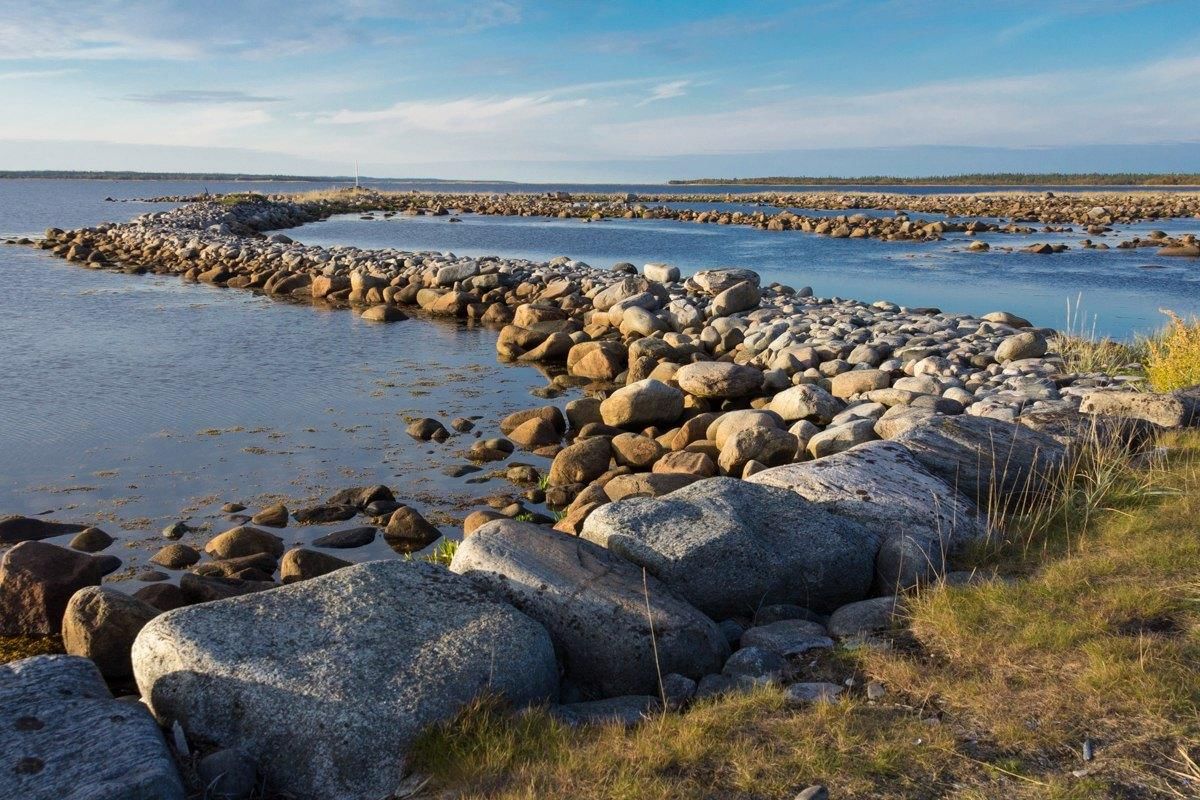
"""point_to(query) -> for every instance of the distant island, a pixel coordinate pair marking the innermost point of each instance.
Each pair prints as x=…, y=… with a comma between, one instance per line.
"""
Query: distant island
x=974, y=179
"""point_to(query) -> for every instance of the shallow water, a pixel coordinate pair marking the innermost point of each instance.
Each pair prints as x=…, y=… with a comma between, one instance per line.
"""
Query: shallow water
x=131, y=402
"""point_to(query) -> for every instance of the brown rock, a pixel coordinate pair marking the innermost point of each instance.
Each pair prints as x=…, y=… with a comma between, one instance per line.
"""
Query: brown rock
x=175, y=556
x=101, y=624
x=581, y=462
x=407, y=531
x=275, y=516
x=685, y=463
x=36, y=582
x=635, y=451
x=29, y=529
x=300, y=564
x=91, y=540
x=244, y=541
x=163, y=596
x=477, y=519
x=534, y=433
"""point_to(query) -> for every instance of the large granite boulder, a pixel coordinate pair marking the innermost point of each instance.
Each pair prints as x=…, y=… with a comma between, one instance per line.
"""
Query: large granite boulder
x=64, y=737
x=997, y=464
x=36, y=582
x=594, y=604
x=728, y=546
x=884, y=487
x=326, y=682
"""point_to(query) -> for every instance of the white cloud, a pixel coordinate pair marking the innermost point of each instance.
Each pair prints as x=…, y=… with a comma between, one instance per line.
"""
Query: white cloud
x=32, y=75
x=469, y=114
x=665, y=91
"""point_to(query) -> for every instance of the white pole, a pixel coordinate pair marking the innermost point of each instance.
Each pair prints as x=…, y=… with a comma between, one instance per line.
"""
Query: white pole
x=356, y=173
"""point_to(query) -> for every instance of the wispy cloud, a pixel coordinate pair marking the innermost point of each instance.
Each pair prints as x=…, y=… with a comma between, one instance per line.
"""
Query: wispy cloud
x=665, y=91
x=469, y=114
x=35, y=74
x=199, y=97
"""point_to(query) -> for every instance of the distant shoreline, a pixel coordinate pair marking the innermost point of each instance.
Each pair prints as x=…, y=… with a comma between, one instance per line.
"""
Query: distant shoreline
x=977, y=179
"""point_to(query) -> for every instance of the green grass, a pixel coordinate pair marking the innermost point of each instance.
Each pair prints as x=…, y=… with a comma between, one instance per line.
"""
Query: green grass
x=991, y=690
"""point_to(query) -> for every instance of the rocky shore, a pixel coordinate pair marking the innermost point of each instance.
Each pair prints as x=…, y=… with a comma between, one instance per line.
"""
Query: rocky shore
x=1018, y=213
x=755, y=477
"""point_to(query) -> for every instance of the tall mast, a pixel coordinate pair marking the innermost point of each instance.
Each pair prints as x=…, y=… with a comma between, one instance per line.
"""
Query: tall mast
x=356, y=173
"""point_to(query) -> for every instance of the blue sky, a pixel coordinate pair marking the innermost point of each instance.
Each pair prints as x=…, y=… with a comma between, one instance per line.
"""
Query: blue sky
x=523, y=90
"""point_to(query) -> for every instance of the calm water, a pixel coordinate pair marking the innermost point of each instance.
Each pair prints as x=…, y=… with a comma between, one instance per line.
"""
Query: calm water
x=130, y=402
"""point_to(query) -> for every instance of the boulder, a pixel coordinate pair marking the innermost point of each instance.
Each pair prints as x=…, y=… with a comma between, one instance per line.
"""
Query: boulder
x=301, y=563
x=64, y=737
x=37, y=581
x=581, y=462
x=91, y=540
x=766, y=445
x=838, y=438
x=718, y=379
x=728, y=546
x=101, y=624
x=882, y=486
x=244, y=541
x=407, y=531
x=1028, y=344
x=994, y=463
x=646, y=402
x=384, y=313
x=715, y=281
x=30, y=529
x=334, y=677
x=1174, y=410
x=858, y=381
x=347, y=538
x=739, y=297
x=594, y=604
x=806, y=401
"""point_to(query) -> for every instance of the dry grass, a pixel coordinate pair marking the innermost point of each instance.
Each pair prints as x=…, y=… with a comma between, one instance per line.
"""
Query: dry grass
x=1173, y=355
x=992, y=692
x=1084, y=350
x=13, y=648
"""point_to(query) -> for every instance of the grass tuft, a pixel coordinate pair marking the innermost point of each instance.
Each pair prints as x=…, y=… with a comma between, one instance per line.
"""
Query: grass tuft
x=1173, y=355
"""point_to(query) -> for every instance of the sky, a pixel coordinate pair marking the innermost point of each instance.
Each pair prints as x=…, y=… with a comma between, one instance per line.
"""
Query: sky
x=533, y=90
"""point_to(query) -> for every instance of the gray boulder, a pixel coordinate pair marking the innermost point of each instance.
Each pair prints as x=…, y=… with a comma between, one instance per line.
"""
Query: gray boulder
x=1175, y=410
x=992, y=462
x=917, y=516
x=729, y=546
x=594, y=605
x=64, y=737
x=332, y=678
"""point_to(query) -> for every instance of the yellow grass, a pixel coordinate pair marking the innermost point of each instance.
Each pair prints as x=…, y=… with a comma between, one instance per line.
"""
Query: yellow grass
x=990, y=693
x=1173, y=356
